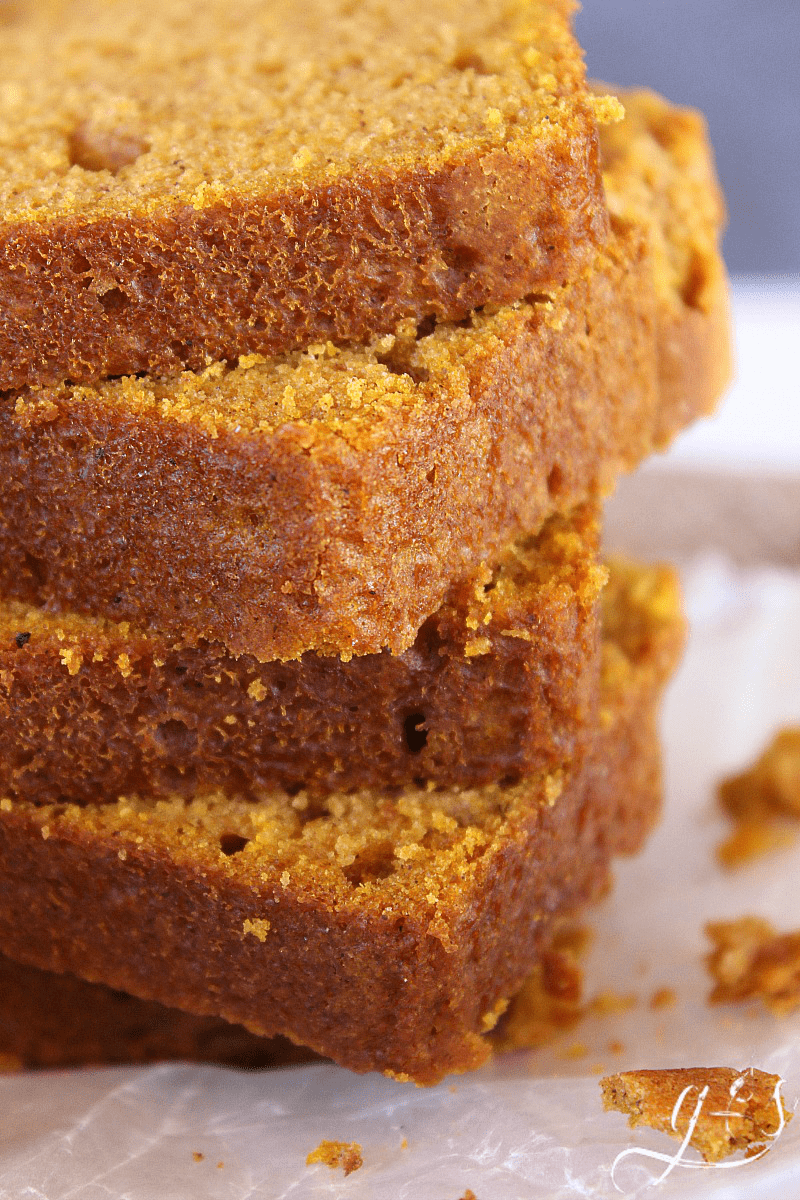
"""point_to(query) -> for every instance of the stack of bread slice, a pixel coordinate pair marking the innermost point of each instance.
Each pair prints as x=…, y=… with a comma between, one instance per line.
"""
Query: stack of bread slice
x=323, y=339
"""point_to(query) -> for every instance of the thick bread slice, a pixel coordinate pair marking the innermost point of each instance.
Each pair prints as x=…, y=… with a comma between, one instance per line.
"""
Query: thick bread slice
x=180, y=185
x=385, y=930
x=501, y=681
x=329, y=499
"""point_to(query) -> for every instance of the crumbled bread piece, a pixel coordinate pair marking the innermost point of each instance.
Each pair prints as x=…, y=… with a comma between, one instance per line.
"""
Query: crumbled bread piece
x=550, y=1000
x=771, y=785
x=751, y=961
x=663, y=997
x=611, y=1004
x=731, y=1110
x=754, y=839
x=346, y=1155
x=764, y=801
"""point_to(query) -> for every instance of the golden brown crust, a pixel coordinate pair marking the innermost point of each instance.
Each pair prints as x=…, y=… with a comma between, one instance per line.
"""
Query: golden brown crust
x=733, y=1110
x=334, y=514
x=378, y=929
x=333, y=179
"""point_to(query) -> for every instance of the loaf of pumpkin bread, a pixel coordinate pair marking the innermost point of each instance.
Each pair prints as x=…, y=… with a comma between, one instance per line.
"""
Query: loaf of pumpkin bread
x=327, y=499
x=383, y=928
x=180, y=186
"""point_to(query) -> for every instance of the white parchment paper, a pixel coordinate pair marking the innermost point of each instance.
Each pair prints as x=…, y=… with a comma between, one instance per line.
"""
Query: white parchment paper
x=529, y=1125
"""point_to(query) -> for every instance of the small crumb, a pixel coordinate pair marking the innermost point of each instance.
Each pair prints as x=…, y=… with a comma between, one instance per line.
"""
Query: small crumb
x=754, y=839
x=404, y=1144
x=663, y=997
x=301, y=159
x=597, y=1068
x=615, y=1046
x=468, y=1195
x=259, y=927
x=197, y=1156
x=220, y=1165
x=611, y=1004
x=346, y=1155
x=257, y=691
x=490, y=1019
x=550, y=1001
x=72, y=659
x=751, y=961
x=763, y=801
x=476, y=647
x=723, y=1110
x=574, y=1050
x=608, y=110
x=124, y=665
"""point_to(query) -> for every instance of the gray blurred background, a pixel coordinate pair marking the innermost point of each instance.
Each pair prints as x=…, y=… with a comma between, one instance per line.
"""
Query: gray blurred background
x=739, y=61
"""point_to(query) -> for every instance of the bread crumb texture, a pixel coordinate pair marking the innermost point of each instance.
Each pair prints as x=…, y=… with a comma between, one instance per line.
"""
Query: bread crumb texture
x=732, y=1110
x=346, y=1155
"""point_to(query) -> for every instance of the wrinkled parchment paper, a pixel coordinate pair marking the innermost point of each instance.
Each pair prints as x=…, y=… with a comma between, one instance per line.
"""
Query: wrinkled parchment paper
x=530, y=1125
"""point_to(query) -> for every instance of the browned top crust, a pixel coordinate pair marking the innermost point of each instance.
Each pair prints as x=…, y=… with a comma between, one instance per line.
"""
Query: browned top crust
x=327, y=500
x=177, y=191
x=734, y=1110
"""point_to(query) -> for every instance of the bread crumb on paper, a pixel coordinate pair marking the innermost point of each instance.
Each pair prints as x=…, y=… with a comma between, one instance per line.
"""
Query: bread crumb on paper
x=719, y=1109
x=751, y=961
x=763, y=802
x=346, y=1155
x=551, y=999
